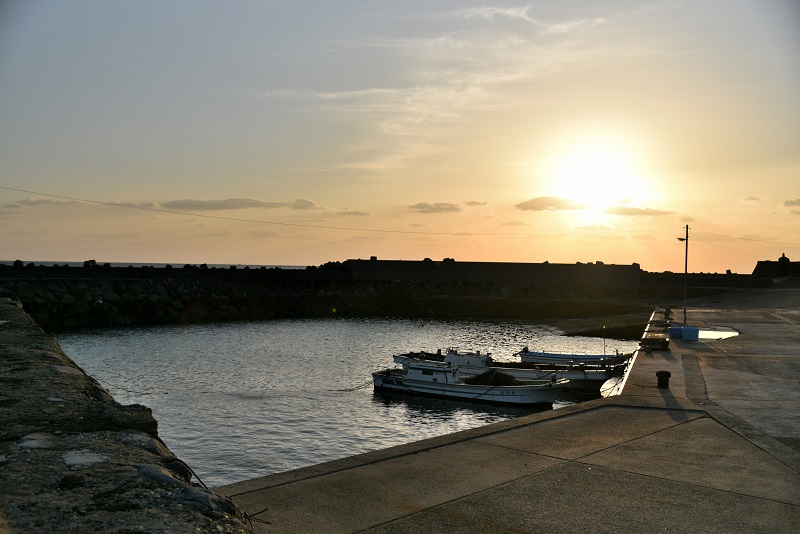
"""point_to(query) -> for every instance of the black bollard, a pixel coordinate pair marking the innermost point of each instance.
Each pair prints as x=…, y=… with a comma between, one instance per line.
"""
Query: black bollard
x=663, y=379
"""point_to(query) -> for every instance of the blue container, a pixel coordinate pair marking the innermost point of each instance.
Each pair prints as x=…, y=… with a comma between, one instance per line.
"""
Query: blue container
x=691, y=333
x=675, y=332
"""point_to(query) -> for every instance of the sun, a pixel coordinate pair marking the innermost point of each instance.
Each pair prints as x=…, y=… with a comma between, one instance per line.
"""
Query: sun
x=596, y=177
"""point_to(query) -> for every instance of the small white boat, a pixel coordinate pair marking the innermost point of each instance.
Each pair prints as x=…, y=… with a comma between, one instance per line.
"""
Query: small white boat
x=435, y=379
x=565, y=358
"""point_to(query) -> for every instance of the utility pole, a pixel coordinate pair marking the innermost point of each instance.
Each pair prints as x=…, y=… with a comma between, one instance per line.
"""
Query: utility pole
x=685, y=271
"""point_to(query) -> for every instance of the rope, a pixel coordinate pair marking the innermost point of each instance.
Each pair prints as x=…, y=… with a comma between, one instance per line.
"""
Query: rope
x=362, y=386
x=252, y=517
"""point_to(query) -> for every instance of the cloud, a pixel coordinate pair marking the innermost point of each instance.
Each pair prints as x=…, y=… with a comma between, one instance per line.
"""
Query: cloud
x=303, y=204
x=752, y=199
x=458, y=66
x=475, y=203
x=355, y=213
x=142, y=205
x=572, y=25
x=513, y=223
x=791, y=203
x=493, y=13
x=548, y=204
x=225, y=204
x=636, y=212
x=438, y=207
x=40, y=202
x=687, y=219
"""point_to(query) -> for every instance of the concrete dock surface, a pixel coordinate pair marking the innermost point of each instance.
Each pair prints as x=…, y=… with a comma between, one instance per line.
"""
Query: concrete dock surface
x=716, y=451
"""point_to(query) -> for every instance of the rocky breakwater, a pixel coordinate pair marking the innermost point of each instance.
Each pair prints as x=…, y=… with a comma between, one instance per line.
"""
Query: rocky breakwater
x=73, y=460
x=103, y=302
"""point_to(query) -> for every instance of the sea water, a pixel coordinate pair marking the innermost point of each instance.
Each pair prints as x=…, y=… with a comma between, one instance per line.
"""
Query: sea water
x=238, y=401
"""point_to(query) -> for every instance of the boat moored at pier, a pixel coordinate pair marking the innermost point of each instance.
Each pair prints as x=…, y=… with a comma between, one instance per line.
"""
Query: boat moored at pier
x=582, y=376
x=437, y=379
x=565, y=358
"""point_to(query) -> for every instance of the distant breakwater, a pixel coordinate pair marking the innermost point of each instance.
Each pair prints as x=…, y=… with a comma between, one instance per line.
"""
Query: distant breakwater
x=121, y=302
x=66, y=297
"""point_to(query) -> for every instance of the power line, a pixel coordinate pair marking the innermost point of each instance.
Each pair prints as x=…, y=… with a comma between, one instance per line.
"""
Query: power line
x=319, y=226
x=747, y=238
x=373, y=230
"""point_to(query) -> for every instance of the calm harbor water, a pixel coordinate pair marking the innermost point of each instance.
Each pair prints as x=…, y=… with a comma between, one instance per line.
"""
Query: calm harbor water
x=237, y=401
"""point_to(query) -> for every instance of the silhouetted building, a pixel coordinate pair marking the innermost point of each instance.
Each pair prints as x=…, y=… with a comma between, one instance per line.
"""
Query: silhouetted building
x=774, y=269
x=449, y=270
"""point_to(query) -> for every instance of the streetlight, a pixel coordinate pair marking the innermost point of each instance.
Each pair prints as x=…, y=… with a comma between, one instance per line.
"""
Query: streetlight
x=685, y=271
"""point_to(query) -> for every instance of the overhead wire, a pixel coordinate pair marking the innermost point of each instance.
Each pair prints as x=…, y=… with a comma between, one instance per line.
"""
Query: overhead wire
x=319, y=226
x=376, y=230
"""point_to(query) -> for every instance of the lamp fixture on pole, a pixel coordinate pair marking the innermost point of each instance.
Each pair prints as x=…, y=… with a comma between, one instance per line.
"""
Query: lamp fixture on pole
x=685, y=271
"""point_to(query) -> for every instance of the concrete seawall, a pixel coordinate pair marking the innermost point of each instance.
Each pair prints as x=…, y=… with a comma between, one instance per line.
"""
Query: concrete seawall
x=74, y=460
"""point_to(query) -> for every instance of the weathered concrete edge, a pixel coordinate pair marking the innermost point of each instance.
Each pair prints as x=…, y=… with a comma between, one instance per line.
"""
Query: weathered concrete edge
x=73, y=459
x=342, y=464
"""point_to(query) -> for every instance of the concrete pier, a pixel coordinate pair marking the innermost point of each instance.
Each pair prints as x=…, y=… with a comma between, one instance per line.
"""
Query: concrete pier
x=718, y=450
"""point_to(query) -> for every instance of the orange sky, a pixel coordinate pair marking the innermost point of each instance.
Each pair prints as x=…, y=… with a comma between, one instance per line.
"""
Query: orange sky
x=285, y=133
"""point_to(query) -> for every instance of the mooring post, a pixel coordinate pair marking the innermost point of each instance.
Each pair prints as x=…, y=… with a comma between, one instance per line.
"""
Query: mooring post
x=663, y=379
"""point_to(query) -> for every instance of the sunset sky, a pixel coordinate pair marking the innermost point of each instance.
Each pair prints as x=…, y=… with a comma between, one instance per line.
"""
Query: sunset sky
x=301, y=132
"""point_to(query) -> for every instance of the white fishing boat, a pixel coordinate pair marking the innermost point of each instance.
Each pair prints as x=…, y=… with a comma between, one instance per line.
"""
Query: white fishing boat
x=565, y=358
x=588, y=377
x=435, y=379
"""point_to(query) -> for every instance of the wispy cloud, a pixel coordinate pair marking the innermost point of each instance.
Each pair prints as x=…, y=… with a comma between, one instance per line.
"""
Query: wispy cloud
x=356, y=213
x=791, y=203
x=520, y=13
x=142, y=205
x=303, y=204
x=752, y=199
x=40, y=202
x=473, y=203
x=636, y=212
x=440, y=79
x=493, y=13
x=195, y=204
x=549, y=204
x=438, y=207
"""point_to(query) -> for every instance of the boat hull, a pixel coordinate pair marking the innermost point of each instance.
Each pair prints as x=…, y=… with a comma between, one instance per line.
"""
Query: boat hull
x=540, y=394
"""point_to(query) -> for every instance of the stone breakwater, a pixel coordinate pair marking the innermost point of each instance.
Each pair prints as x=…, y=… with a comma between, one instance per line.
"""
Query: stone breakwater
x=74, y=460
x=122, y=302
x=85, y=302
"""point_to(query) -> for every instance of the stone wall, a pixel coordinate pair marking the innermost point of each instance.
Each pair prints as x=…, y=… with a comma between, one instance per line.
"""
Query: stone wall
x=73, y=460
x=120, y=302
x=67, y=303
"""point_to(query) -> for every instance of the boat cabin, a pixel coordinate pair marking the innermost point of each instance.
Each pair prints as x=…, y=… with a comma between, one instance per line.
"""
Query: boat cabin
x=432, y=373
x=475, y=359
